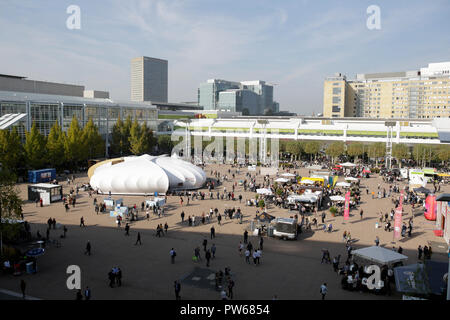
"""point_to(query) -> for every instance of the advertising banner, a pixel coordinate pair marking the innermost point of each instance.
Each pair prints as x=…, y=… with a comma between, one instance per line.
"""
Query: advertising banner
x=398, y=223
x=347, y=206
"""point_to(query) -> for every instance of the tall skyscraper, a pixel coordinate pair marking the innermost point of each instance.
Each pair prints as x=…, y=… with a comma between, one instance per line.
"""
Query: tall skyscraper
x=423, y=93
x=248, y=97
x=149, y=80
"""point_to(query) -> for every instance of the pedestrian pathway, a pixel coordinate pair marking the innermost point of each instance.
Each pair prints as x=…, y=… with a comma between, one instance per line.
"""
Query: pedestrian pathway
x=11, y=295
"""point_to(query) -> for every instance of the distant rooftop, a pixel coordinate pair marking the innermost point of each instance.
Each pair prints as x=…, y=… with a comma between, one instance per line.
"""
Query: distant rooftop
x=11, y=76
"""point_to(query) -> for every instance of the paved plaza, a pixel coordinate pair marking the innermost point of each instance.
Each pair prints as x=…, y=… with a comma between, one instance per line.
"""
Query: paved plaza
x=288, y=269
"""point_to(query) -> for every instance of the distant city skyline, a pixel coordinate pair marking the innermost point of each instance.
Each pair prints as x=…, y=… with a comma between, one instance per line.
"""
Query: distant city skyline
x=294, y=45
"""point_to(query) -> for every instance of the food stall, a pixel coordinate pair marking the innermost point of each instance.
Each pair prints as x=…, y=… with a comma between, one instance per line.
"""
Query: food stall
x=49, y=193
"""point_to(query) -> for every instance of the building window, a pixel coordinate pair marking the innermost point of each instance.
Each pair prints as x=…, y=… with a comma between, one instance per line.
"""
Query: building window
x=336, y=109
x=336, y=99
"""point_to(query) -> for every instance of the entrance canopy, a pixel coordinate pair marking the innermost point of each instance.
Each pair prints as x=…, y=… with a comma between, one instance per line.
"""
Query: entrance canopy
x=379, y=255
x=348, y=164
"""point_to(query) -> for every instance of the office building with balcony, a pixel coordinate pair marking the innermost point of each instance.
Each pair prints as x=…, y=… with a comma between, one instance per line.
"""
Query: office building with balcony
x=423, y=94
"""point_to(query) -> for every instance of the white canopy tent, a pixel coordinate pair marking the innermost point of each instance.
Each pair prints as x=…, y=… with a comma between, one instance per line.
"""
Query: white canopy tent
x=348, y=164
x=311, y=198
x=287, y=174
x=283, y=180
x=343, y=184
x=264, y=191
x=337, y=198
x=379, y=255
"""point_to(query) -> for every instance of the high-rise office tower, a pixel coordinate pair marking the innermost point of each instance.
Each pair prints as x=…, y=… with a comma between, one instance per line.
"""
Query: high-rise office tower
x=149, y=80
x=248, y=97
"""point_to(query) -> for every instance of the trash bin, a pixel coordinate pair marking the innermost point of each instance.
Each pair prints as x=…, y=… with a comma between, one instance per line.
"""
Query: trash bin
x=30, y=269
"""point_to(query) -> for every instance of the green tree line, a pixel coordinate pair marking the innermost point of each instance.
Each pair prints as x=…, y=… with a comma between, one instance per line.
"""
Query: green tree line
x=61, y=150
x=423, y=154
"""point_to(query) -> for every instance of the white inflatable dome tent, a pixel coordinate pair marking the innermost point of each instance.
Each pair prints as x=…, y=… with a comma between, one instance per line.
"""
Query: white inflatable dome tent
x=145, y=175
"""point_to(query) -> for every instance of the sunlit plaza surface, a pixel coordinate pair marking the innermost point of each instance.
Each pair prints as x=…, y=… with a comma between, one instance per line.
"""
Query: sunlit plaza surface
x=288, y=269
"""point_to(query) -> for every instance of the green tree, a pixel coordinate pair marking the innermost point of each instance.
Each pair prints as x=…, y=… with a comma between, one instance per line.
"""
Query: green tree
x=335, y=149
x=125, y=136
x=116, y=138
x=311, y=148
x=424, y=154
x=443, y=153
x=165, y=143
x=11, y=150
x=377, y=150
x=35, y=148
x=55, y=146
x=74, y=147
x=294, y=148
x=136, y=139
x=93, y=141
x=355, y=150
x=10, y=208
x=400, y=151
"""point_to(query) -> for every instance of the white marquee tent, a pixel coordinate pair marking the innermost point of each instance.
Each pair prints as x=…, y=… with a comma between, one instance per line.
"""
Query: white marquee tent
x=379, y=255
x=146, y=175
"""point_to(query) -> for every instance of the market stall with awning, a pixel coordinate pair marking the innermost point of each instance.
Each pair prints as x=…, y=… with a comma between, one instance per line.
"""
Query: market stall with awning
x=380, y=255
x=343, y=184
x=348, y=165
x=264, y=191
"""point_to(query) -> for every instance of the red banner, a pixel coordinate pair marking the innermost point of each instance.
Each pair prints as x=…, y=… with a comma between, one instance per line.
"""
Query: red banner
x=398, y=222
x=347, y=206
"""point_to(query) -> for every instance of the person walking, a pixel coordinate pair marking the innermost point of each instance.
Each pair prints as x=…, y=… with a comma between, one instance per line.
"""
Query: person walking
x=166, y=227
x=23, y=286
x=119, y=277
x=323, y=290
x=377, y=241
x=245, y=236
x=111, y=278
x=213, y=232
x=219, y=218
x=213, y=251
x=127, y=229
x=173, y=254
x=420, y=251
x=82, y=222
x=241, y=247
x=230, y=288
x=138, y=239
x=247, y=256
x=177, y=287
x=361, y=213
x=261, y=242
x=88, y=248
x=182, y=216
x=205, y=242
x=207, y=257
x=87, y=294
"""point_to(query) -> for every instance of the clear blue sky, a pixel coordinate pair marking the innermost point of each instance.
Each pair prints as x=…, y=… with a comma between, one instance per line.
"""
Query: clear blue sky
x=293, y=44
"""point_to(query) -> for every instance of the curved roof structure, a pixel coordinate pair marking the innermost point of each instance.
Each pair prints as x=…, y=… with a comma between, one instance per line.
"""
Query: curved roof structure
x=146, y=175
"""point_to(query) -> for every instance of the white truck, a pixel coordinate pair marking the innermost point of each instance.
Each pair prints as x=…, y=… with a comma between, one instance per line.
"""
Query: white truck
x=284, y=228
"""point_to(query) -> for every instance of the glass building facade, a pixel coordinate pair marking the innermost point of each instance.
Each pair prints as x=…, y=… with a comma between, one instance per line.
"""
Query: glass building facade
x=45, y=110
